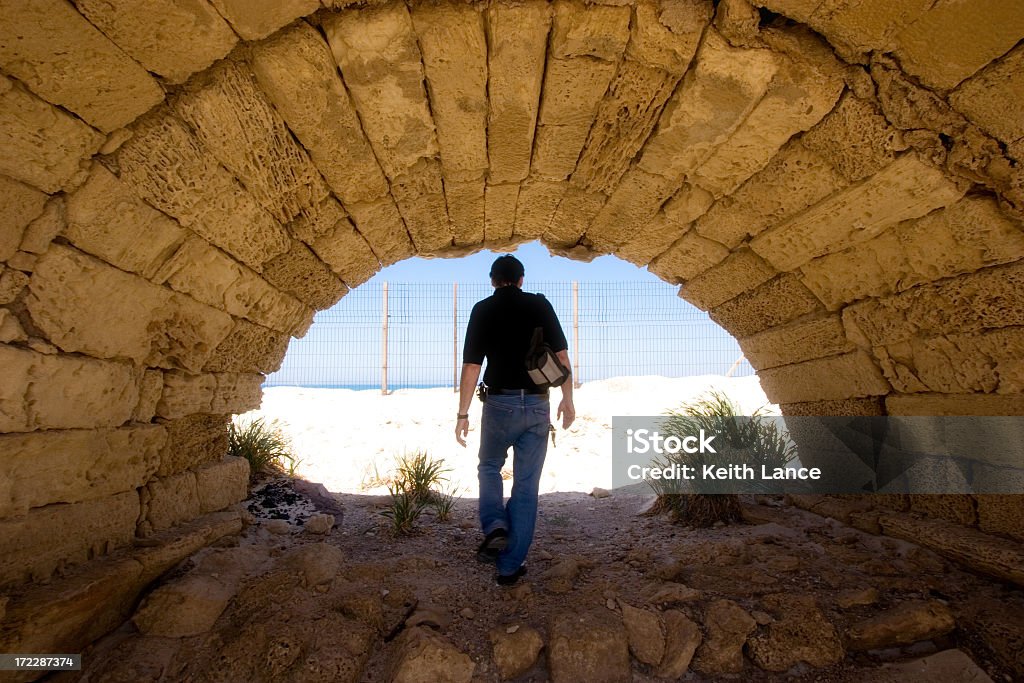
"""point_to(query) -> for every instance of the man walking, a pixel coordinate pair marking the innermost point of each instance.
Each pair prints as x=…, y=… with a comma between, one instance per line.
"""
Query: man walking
x=516, y=413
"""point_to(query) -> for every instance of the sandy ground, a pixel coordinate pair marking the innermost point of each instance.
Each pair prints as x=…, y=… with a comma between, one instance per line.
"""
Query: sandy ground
x=348, y=440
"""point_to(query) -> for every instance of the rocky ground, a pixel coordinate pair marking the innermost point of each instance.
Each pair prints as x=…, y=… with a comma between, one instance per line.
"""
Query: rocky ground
x=610, y=596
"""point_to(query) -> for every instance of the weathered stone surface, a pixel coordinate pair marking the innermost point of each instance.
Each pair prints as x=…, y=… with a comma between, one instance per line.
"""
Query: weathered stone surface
x=645, y=633
x=989, y=99
x=740, y=272
x=165, y=165
x=110, y=314
x=800, y=633
x=185, y=607
x=381, y=224
x=151, y=385
x=42, y=231
x=955, y=404
x=296, y=70
x=655, y=237
x=500, y=211
x=169, y=501
x=989, y=298
x=319, y=523
x=727, y=626
x=964, y=237
x=255, y=19
x=451, y=38
x=40, y=144
x=424, y=655
x=864, y=27
x=588, y=646
x=466, y=209
x=51, y=48
x=346, y=252
x=192, y=441
x=904, y=190
x=948, y=665
x=171, y=546
x=687, y=258
x=850, y=375
x=223, y=483
x=106, y=220
x=535, y=207
x=300, y=273
x=516, y=56
x=666, y=36
x=934, y=49
x=214, y=278
x=774, y=303
x=796, y=342
x=855, y=139
x=688, y=204
x=515, y=653
x=683, y=637
x=211, y=393
x=632, y=206
x=249, y=348
x=10, y=328
x=419, y=194
x=29, y=548
x=1000, y=513
x=958, y=509
x=235, y=121
x=71, y=466
x=172, y=38
x=12, y=282
x=573, y=217
x=19, y=206
x=63, y=392
x=904, y=624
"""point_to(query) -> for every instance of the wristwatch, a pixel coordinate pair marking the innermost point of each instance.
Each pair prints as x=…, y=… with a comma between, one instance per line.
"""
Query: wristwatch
x=461, y=416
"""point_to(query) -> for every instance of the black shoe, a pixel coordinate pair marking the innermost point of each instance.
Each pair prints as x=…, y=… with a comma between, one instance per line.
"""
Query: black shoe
x=493, y=544
x=510, y=579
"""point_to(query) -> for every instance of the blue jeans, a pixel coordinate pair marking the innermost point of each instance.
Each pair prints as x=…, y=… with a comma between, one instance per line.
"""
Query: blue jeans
x=521, y=422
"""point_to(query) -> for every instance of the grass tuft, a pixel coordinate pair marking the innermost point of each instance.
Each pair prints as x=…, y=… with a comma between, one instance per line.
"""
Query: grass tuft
x=264, y=445
x=416, y=485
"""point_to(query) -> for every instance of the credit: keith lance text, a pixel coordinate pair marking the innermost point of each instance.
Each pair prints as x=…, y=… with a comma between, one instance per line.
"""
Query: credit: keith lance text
x=721, y=472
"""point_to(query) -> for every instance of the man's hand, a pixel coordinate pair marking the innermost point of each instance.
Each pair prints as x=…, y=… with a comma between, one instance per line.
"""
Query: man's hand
x=566, y=412
x=461, y=429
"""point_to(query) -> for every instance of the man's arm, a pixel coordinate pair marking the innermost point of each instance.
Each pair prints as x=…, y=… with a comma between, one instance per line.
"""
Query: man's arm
x=467, y=385
x=566, y=409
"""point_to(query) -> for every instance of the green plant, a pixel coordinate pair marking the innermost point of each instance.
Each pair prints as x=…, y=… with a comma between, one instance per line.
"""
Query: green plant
x=413, y=487
x=421, y=474
x=264, y=445
x=404, y=510
x=443, y=504
x=755, y=440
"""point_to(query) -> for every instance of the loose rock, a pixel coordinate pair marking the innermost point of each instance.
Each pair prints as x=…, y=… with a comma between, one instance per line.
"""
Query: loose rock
x=645, y=632
x=907, y=623
x=683, y=639
x=515, y=652
x=728, y=626
x=319, y=524
x=589, y=646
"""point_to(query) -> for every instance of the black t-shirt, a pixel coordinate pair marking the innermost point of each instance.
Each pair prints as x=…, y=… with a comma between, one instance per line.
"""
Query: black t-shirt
x=501, y=328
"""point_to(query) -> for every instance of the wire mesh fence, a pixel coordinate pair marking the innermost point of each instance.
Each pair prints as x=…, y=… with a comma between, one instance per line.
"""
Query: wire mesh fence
x=394, y=335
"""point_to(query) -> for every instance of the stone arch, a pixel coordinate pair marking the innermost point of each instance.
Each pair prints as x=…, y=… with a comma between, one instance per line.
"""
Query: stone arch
x=838, y=184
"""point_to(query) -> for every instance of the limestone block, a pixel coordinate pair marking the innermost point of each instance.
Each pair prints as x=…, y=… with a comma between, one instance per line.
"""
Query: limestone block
x=793, y=180
x=255, y=19
x=466, y=210
x=588, y=646
x=652, y=238
x=688, y=204
x=633, y=204
x=835, y=408
x=381, y=224
x=235, y=121
x=967, y=236
x=665, y=36
x=29, y=548
x=797, y=98
x=300, y=273
x=774, y=303
x=192, y=441
x=186, y=606
x=75, y=465
x=12, y=282
x=991, y=98
x=866, y=26
x=107, y=220
x=713, y=100
x=151, y=386
x=1000, y=514
x=172, y=38
x=955, y=404
x=51, y=48
x=958, y=509
x=296, y=70
x=516, y=55
x=44, y=229
x=63, y=392
x=212, y=277
x=222, y=483
x=801, y=10
x=169, y=501
x=10, y=328
x=249, y=348
x=346, y=252
x=855, y=139
x=989, y=298
x=624, y=120
x=797, y=342
x=581, y=30
x=19, y=206
x=215, y=393
x=953, y=40
x=690, y=256
x=451, y=38
x=573, y=216
x=84, y=305
x=537, y=202
x=165, y=164
x=318, y=220
x=738, y=21
x=40, y=144
x=740, y=272
x=380, y=60
x=850, y=375
x=904, y=190
x=500, y=211
x=419, y=194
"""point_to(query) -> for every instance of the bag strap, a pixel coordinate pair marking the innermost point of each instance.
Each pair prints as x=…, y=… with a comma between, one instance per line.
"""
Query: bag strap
x=537, y=340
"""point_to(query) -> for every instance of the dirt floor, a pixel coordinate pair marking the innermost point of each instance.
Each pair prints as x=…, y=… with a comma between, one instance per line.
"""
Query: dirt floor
x=810, y=584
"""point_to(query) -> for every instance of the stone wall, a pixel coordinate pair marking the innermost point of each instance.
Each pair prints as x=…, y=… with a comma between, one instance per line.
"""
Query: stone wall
x=838, y=184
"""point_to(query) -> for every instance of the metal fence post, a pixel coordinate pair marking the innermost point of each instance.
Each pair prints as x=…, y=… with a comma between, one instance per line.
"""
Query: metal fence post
x=576, y=334
x=384, y=343
x=455, y=335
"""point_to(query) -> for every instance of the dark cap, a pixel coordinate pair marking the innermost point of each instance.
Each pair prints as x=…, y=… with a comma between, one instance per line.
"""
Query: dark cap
x=507, y=268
